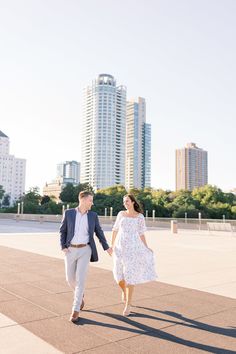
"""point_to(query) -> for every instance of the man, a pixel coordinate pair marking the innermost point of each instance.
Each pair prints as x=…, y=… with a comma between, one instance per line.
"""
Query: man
x=76, y=235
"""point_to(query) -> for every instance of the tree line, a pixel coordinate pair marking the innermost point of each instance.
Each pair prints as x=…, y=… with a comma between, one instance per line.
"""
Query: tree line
x=209, y=200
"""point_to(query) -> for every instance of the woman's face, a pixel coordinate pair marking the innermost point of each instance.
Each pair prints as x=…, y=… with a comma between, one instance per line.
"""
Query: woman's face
x=128, y=204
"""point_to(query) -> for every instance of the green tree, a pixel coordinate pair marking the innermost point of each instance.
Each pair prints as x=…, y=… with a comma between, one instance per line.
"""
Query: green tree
x=185, y=199
x=233, y=211
x=209, y=195
x=51, y=208
x=32, y=196
x=1, y=194
x=102, y=201
x=191, y=211
x=161, y=201
x=45, y=199
x=109, y=197
x=6, y=200
x=115, y=190
x=70, y=192
x=31, y=200
x=161, y=197
x=217, y=210
x=214, y=203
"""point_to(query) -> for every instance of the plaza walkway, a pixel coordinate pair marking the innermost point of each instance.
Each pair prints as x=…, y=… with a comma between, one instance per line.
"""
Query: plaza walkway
x=35, y=301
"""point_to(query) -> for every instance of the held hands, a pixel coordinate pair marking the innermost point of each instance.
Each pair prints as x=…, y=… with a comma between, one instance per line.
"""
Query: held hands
x=109, y=251
x=65, y=250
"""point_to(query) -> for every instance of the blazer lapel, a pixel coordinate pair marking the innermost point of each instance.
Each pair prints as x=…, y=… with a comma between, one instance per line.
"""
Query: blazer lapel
x=89, y=223
x=73, y=220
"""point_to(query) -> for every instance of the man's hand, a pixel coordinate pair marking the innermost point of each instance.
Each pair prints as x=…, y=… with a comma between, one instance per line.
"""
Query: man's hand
x=109, y=251
x=65, y=250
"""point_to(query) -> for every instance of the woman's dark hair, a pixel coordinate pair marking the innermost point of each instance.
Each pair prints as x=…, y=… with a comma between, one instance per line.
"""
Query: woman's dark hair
x=137, y=206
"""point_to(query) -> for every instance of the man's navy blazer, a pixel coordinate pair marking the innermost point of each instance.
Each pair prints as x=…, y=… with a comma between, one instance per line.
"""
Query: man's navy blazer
x=67, y=230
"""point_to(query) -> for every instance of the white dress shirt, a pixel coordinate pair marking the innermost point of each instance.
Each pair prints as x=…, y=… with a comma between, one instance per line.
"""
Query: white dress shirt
x=81, y=234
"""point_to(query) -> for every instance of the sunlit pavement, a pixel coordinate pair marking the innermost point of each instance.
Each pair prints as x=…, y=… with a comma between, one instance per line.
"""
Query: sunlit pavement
x=169, y=316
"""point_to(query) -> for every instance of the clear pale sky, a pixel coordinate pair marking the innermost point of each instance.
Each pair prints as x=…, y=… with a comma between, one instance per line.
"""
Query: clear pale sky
x=179, y=55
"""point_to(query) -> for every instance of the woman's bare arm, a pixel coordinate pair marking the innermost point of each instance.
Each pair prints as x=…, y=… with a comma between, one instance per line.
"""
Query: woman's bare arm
x=144, y=241
x=113, y=238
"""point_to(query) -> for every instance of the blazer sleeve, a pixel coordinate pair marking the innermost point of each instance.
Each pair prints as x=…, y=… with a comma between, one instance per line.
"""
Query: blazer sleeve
x=100, y=234
x=63, y=231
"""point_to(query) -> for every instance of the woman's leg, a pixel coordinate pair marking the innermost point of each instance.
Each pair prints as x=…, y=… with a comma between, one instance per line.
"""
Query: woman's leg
x=123, y=287
x=129, y=294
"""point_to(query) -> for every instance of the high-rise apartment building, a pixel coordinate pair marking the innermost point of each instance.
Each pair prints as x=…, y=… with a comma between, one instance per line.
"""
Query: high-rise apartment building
x=103, y=133
x=147, y=155
x=69, y=171
x=191, y=167
x=138, y=146
x=12, y=170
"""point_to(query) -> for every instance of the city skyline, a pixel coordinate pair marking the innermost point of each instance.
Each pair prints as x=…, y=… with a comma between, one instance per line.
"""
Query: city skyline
x=180, y=56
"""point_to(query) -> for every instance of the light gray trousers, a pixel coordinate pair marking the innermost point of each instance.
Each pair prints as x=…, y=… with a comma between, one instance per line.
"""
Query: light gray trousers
x=76, y=267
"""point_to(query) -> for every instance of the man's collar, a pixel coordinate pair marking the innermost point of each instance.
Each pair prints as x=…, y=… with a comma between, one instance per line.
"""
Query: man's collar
x=78, y=211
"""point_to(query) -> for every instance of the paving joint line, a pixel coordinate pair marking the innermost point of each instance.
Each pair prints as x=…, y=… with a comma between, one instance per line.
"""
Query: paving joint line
x=100, y=346
x=38, y=287
x=27, y=300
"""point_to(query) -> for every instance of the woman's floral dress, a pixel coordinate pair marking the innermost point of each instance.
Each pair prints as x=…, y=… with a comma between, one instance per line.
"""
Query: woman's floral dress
x=133, y=261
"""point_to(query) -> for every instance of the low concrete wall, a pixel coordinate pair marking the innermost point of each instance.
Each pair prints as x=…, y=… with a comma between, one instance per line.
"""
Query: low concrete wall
x=163, y=223
x=31, y=217
x=47, y=218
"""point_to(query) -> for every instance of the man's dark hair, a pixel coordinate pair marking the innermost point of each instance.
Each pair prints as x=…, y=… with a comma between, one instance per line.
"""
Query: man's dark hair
x=85, y=194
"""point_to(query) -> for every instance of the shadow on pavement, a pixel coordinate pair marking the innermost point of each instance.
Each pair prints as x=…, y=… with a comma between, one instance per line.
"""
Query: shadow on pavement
x=157, y=333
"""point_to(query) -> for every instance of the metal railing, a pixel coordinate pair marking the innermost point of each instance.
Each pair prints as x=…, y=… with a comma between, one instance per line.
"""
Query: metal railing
x=187, y=223
x=154, y=222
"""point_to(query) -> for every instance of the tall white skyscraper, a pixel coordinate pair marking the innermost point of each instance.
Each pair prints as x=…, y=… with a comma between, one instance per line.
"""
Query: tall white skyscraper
x=191, y=167
x=69, y=171
x=12, y=170
x=103, y=133
x=147, y=138
x=138, y=146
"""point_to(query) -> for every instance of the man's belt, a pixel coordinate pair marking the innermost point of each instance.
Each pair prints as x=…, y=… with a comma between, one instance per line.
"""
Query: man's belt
x=79, y=245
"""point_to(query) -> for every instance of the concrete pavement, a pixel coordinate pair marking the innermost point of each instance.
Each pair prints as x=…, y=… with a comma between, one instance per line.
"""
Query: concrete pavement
x=192, y=259
x=35, y=301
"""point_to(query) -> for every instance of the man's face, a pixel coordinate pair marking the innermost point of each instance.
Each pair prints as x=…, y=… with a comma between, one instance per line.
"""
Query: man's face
x=87, y=202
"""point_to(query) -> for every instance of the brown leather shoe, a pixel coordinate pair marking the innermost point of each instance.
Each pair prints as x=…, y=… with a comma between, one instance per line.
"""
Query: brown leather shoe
x=74, y=317
x=82, y=305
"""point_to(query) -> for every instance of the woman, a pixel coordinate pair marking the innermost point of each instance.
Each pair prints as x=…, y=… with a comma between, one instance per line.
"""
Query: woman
x=133, y=260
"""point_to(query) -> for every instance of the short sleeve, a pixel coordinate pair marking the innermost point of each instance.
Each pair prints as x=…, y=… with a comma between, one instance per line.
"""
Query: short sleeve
x=142, y=225
x=117, y=222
